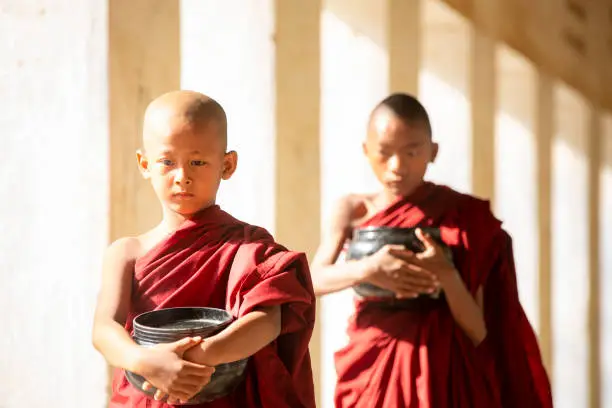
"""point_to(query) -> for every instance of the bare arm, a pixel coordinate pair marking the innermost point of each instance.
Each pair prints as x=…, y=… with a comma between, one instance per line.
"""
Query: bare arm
x=109, y=335
x=466, y=310
x=243, y=338
x=327, y=276
x=162, y=365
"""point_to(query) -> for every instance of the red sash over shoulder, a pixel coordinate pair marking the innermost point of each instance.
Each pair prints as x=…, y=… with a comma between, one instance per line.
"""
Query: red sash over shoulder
x=422, y=359
x=218, y=261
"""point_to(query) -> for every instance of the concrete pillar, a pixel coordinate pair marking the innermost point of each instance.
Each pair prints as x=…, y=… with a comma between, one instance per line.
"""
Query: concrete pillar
x=516, y=163
x=570, y=250
x=544, y=129
x=404, y=27
x=260, y=60
x=54, y=200
x=369, y=49
x=483, y=103
x=144, y=61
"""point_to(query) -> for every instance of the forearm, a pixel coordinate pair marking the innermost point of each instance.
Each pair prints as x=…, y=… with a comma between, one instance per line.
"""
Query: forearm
x=334, y=278
x=465, y=310
x=243, y=338
x=116, y=346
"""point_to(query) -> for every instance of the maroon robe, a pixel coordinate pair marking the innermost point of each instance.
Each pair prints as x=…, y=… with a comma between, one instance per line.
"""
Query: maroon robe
x=421, y=358
x=218, y=261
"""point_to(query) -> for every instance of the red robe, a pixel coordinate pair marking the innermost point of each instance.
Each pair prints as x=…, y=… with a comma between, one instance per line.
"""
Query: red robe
x=218, y=261
x=422, y=359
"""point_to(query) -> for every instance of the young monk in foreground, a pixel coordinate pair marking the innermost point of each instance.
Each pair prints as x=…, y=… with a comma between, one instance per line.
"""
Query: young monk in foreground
x=472, y=348
x=198, y=256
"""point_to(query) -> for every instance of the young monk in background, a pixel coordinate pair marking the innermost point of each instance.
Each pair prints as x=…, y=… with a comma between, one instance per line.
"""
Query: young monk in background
x=197, y=256
x=473, y=348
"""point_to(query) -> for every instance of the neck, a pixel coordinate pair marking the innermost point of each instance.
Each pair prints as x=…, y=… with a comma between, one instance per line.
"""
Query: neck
x=389, y=197
x=172, y=220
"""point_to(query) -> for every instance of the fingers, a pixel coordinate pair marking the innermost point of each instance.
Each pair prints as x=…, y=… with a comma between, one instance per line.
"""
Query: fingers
x=426, y=239
x=401, y=253
x=159, y=395
x=196, y=381
x=192, y=369
x=185, y=344
x=179, y=392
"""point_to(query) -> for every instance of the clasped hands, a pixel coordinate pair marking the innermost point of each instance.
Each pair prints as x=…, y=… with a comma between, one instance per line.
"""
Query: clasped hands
x=169, y=368
x=409, y=274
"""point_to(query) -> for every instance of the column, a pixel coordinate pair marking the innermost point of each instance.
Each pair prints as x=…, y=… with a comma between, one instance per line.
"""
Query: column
x=404, y=44
x=298, y=159
x=545, y=128
x=483, y=111
x=516, y=163
x=144, y=62
x=369, y=49
x=445, y=88
x=55, y=198
x=570, y=250
x=260, y=60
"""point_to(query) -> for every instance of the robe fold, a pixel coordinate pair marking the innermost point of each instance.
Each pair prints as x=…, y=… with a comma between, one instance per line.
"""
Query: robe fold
x=419, y=357
x=217, y=261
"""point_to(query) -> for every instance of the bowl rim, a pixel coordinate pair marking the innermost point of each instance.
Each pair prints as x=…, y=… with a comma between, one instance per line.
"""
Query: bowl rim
x=170, y=331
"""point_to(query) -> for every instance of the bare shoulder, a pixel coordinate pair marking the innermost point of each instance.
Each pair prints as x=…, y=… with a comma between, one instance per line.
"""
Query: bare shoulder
x=349, y=210
x=124, y=249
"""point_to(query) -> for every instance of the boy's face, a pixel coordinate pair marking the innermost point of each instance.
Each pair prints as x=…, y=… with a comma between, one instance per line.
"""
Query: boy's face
x=185, y=163
x=398, y=152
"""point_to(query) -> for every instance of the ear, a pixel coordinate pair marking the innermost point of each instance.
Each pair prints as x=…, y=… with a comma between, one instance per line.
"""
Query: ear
x=364, y=148
x=143, y=164
x=434, y=152
x=230, y=162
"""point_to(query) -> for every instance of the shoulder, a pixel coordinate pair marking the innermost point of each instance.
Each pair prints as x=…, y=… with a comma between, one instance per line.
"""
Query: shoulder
x=349, y=210
x=467, y=205
x=126, y=247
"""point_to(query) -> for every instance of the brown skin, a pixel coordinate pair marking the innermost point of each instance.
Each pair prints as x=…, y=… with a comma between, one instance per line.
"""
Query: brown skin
x=185, y=161
x=399, y=154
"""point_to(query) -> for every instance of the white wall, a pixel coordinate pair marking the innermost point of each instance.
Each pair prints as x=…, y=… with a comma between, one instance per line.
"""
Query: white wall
x=227, y=52
x=53, y=200
x=516, y=185
x=570, y=263
x=605, y=254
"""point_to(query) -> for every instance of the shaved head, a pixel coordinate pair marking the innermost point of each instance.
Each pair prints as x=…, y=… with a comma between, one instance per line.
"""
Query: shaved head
x=179, y=109
x=403, y=106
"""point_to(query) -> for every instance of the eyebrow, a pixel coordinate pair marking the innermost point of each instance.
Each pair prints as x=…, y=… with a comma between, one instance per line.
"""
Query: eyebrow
x=168, y=152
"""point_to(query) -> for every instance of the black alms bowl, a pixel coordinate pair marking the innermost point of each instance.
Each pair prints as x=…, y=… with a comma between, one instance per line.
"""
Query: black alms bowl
x=172, y=324
x=367, y=241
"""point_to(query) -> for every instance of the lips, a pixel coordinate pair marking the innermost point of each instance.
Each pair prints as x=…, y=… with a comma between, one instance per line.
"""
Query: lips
x=182, y=195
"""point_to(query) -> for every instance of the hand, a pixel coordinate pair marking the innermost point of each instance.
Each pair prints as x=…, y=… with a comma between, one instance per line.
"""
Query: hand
x=202, y=354
x=163, y=367
x=433, y=260
x=390, y=268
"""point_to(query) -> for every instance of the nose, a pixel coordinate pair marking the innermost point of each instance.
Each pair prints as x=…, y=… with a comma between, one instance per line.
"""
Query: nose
x=181, y=177
x=394, y=164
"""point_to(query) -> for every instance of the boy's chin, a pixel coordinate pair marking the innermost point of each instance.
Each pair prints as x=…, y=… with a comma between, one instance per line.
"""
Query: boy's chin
x=185, y=210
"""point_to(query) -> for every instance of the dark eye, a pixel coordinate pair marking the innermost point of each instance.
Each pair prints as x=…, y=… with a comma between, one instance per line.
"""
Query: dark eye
x=198, y=162
x=166, y=162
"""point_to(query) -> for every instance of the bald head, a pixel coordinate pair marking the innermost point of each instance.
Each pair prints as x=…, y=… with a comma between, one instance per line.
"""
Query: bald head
x=178, y=109
x=403, y=106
